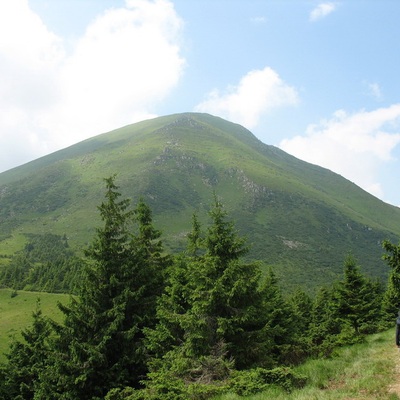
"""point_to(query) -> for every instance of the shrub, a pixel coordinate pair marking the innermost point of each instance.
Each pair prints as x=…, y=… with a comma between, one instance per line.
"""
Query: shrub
x=245, y=383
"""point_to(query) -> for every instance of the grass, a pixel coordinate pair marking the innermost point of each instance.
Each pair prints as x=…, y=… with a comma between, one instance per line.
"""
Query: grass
x=16, y=313
x=365, y=371
x=176, y=163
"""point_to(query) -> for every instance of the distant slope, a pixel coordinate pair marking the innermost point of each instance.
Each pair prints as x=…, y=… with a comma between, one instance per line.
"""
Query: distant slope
x=299, y=218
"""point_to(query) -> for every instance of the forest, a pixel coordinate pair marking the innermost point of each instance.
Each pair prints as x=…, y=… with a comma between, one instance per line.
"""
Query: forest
x=143, y=324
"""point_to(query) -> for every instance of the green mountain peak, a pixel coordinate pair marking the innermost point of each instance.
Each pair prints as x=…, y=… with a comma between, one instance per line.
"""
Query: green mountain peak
x=299, y=218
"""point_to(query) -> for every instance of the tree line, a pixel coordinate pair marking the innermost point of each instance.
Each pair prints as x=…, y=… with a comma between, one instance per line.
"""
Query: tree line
x=45, y=264
x=150, y=325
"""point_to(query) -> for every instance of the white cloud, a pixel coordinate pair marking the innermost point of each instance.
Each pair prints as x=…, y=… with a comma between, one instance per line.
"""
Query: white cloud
x=353, y=145
x=257, y=93
x=126, y=62
x=375, y=91
x=321, y=11
x=258, y=20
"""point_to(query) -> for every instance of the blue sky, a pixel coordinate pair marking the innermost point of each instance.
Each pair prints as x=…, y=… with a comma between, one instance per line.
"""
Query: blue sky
x=319, y=79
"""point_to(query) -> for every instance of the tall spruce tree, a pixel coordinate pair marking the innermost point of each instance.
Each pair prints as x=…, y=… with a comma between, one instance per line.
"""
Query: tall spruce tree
x=100, y=346
x=211, y=315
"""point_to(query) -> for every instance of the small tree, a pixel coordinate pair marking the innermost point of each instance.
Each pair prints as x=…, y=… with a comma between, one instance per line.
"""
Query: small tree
x=301, y=304
x=358, y=302
x=391, y=300
x=325, y=325
x=281, y=329
x=27, y=359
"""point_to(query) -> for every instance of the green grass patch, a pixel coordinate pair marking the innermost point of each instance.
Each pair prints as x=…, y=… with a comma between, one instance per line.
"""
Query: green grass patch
x=364, y=371
x=16, y=313
x=12, y=244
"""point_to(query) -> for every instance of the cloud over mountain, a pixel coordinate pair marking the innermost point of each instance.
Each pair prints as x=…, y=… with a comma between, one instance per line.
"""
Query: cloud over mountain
x=257, y=93
x=353, y=145
x=127, y=61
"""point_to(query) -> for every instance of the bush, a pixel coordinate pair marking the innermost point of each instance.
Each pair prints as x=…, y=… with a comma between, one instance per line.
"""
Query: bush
x=172, y=389
x=245, y=383
x=120, y=394
x=183, y=378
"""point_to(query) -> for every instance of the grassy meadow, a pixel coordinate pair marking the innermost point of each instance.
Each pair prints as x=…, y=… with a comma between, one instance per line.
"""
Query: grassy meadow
x=367, y=371
x=16, y=313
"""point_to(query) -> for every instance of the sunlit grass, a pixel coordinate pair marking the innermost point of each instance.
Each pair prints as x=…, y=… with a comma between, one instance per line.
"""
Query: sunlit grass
x=16, y=312
x=363, y=371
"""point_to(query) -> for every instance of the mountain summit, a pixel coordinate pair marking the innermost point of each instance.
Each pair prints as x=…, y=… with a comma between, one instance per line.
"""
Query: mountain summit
x=300, y=219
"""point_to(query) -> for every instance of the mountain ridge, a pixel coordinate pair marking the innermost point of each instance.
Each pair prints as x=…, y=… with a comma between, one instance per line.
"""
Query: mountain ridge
x=297, y=216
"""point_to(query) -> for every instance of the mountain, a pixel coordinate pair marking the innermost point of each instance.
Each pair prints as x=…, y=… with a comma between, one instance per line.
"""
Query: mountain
x=299, y=218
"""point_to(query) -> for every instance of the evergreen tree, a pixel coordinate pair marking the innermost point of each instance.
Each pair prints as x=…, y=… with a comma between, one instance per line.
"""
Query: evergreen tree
x=225, y=298
x=194, y=237
x=325, y=324
x=149, y=252
x=100, y=346
x=27, y=360
x=281, y=330
x=358, y=302
x=301, y=304
x=212, y=314
x=391, y=301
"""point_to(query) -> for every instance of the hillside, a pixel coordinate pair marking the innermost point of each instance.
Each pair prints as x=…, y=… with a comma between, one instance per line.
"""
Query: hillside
x=299, y=218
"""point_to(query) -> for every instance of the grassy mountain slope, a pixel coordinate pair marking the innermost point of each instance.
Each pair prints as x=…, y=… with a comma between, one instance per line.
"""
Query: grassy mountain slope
x=299, y=218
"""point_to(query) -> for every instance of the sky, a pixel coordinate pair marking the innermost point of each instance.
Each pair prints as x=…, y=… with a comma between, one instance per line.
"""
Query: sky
x=318, y=79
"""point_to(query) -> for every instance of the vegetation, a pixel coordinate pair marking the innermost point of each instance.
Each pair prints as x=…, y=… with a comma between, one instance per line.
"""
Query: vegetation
x=27, y=359
x=204, y=323
x=361, y=371
x=391, y=302
x=298, y=218
x=100, y=345
x=46, y=264
x=16, y=308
